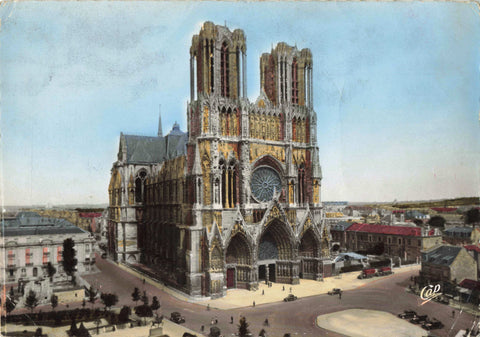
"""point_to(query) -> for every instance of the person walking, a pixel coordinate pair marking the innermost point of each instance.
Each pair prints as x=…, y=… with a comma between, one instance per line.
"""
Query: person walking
x=263, y=292
x=340, y=295
x=253, y=303
x=231, y=319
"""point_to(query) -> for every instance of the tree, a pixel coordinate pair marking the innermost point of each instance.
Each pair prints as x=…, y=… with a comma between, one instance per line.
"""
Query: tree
x=155, y=304
x=31, y=301
x=92, y=295
x=10, y=304
x=97, y=323
x=109, y=300
x=472, y=217
x=145, y=298
x=136, y=295
x=51, y=270
x=73, y=328
x=69, y=261
x=124, y=314
x=38, y=332
x=243, y=327
x=54, y=301
x=214, y=332
x=437, y=221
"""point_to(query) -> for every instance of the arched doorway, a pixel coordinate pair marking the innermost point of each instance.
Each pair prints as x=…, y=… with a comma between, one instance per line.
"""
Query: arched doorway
x=308, y=253
x=275, y=254
x=238, y=262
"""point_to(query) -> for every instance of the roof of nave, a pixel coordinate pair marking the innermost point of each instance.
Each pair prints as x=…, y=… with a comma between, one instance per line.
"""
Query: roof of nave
x=145, y=149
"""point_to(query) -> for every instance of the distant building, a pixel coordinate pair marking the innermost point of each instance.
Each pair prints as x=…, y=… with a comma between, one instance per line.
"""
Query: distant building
x=474, y=251
x=447, y=263
x=30, y=242
x=461, y=235
x=400, y=241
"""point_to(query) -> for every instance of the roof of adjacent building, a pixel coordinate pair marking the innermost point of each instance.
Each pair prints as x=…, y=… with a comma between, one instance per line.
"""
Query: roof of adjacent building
x=145, y=149
x=30, y=223
x=442, y=255
x=389, y=230
x=349, y=256
x=470, y=284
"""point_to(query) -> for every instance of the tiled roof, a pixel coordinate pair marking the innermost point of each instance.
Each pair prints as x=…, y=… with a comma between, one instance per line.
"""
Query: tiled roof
x=467, y=230
x=442, y=255
x=90, y=214
x=472, y=247
x=444, y=209
x=385, y=229
x=144, y=149
x=470, y=284
x=341, y=226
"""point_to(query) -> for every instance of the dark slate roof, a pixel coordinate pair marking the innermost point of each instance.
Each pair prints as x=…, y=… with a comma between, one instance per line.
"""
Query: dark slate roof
x=467, y=230
x=37, y=225
x=144, y=149
x=341, y=226
x=442, y=255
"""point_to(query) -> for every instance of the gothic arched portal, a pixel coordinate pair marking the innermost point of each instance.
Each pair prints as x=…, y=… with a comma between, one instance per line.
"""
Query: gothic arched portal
x=238, y=262
x=308, y=252
x=275, y=253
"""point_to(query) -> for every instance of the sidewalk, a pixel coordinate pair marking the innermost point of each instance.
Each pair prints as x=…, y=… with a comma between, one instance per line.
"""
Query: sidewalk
x=239, y=298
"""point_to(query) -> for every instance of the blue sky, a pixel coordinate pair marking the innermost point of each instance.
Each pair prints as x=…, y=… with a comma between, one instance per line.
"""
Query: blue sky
x=396, y=90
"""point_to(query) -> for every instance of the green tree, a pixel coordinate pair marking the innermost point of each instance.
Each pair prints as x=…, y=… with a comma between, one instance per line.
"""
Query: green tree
x=437, y=221
x=51, y=270
x=69, y=261
x=124, y=314
x=54, y=301
x=145, y=298
x=136, y=295
x=243, y=327
x=109, y=300
x=155, y=304
x=472, y=217
x=92, y=295
x=31, y=301
x=10, y=304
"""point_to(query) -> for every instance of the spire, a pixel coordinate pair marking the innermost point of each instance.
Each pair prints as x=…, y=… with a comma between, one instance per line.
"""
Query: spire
x=160, y=133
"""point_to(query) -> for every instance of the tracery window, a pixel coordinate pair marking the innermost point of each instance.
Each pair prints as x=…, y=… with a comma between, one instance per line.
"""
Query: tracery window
x=294, y=82
x=225, y=71
x=229, y=184
x=301, y=184
x=140, y=186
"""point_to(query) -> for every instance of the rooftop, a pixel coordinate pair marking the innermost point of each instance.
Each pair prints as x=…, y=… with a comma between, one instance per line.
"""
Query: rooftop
x=389, y=230
x=30, y=223
x=442, y=255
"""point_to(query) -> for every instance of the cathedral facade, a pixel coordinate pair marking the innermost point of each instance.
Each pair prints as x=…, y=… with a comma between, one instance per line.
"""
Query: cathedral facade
x=235, y=200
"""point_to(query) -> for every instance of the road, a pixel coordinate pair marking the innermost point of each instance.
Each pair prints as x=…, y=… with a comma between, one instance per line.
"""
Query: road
x=297, y=317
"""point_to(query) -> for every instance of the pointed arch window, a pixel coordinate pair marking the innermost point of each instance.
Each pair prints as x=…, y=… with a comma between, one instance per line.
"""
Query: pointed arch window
x=229, y=184
x=301, y=184
x=225, y=71
x=140, y=188
x=294, y=82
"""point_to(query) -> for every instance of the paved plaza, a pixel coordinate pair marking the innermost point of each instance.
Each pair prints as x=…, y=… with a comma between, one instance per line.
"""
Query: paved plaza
x=368, y=323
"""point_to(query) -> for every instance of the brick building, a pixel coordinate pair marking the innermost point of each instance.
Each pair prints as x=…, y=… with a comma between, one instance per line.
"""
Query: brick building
x=236, y=199
x=400, y=241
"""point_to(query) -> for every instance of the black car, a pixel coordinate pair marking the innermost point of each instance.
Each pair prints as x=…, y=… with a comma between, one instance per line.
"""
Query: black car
x=419, y=319
x=431, y=325
x=335, y=291
x=407, y=314
x=177, y=318
x=290, y=297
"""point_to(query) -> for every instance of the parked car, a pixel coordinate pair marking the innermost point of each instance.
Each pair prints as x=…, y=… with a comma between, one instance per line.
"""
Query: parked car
x=407, y=314
x=290, y=298
x=335, y=291
x=177, y=318
x=433, y=324
x=367, y=273
x=419, y=319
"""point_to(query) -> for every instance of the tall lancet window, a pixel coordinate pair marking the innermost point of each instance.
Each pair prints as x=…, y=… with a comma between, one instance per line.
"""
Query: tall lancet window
x=294, y=82
x=225, y=71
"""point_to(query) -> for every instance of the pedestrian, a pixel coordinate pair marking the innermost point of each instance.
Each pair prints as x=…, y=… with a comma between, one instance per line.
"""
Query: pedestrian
x=143, y=281
x=202, y=328
x=290, y=290
x=253, y=303
x=208, y=307
x=231, y=319
x=340, y=295
x=263, y=292
x=283, y=288
x=266, y=321
x=453, y=313
x=216, y=321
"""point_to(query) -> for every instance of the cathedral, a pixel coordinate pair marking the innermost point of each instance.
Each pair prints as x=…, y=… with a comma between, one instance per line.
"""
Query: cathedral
x=235, y=200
